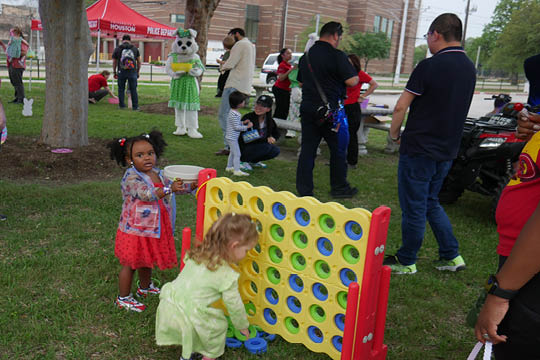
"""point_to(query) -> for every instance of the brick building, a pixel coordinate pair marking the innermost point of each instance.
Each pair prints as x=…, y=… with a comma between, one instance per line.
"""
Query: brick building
x=272, y=23
x=20, y=16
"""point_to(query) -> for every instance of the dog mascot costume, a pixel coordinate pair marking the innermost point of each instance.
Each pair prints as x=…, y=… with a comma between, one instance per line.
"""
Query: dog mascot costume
x=184, y=66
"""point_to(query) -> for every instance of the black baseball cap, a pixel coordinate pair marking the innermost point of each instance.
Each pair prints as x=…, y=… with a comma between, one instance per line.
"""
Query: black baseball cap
x=265, y=101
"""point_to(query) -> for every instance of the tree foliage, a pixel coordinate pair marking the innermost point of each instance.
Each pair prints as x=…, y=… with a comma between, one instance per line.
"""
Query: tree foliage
x=419, y=53
x=369, y=46
x=519, y=39
x=492, y=31
x=303, y=36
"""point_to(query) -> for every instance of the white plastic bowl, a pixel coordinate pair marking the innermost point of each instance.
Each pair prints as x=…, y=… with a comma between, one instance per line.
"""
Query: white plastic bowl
x=186, y=173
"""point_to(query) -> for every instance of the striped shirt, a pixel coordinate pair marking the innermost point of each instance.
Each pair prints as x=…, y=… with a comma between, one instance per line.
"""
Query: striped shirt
x=234, y=125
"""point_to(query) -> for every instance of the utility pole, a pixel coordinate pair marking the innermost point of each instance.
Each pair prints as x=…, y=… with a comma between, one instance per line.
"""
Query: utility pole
x=284, y=28
x=477, y=57
x=465, y=26
x=401, y=42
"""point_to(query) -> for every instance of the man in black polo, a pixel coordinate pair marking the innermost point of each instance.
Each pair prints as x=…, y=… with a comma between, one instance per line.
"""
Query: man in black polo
x=334, y=73
x=439, y=93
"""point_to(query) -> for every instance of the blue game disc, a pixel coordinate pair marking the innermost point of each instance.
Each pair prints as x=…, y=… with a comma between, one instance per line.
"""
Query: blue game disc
x=256, y=345
x=233, y=343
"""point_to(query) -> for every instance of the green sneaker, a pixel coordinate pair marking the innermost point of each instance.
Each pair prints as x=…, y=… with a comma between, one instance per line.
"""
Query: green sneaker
x=397, y=268
x=456, y=264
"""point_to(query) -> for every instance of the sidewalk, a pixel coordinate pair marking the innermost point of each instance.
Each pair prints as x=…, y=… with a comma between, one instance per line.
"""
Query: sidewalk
x=155, y=75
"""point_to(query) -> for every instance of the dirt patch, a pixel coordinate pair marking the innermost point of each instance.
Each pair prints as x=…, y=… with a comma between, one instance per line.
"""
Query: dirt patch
x=25, y=159
x=164, y=109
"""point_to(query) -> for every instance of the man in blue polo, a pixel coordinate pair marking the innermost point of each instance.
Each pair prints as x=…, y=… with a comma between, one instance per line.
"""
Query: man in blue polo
x=439, y=94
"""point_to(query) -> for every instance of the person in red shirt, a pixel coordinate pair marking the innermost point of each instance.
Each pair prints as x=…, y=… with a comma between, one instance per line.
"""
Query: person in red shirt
x=510, y=317
x=16, y=51
x=282, y=87
x=353, y=110
x=98, y=87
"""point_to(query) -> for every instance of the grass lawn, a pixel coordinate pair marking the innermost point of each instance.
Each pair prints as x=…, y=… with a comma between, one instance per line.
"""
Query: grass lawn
x=59, y=272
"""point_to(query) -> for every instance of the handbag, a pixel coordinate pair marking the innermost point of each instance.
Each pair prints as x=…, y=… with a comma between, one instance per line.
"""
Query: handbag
x=324, y=115
x=250, y=136
x=476, y=350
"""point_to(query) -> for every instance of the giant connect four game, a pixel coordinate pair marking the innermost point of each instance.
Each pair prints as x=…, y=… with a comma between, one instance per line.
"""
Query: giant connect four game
x=316, y=275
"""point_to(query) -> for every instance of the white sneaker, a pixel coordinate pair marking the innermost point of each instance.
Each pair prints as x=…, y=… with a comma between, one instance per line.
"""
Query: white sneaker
x=129, y=303
x=180, y=132
x=240, y=173
x=229, y=169
x=258, y=165
x=194, y=134
x=245, y=166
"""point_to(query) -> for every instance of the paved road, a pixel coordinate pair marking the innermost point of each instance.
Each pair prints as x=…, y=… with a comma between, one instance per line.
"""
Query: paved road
x=479, y=106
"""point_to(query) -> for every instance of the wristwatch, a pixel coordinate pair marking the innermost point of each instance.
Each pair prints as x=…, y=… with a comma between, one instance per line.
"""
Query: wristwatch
x=395, y=139
x=492, y=287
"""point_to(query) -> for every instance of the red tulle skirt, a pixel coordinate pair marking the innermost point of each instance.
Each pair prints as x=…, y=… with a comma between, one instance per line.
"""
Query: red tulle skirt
x=139, y=251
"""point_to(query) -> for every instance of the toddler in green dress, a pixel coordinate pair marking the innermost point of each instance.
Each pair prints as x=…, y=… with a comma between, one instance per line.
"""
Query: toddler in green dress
x=185, y=315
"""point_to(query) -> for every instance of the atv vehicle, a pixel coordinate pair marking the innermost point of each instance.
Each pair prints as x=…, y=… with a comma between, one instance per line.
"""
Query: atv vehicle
x=487, y=154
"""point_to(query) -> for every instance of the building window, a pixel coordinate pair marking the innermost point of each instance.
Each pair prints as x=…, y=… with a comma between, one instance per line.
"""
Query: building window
x=376, y=23
x=384, y=25
x=390, y=28
x=178, y=18
x=252, y=22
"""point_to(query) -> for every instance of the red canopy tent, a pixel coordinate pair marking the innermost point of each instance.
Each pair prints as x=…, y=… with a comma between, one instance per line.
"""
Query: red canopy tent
x=113, y=17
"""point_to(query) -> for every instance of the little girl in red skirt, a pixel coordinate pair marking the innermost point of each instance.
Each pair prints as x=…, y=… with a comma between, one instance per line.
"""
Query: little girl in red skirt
x=144, y=237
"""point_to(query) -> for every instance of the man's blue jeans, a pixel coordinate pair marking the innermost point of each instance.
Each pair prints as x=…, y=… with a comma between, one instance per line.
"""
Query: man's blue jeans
x=224, y=109
x=131, y=77
x=419, y=182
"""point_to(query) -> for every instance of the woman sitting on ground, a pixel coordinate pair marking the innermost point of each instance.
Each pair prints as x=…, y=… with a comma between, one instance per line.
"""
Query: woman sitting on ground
x=263, y=148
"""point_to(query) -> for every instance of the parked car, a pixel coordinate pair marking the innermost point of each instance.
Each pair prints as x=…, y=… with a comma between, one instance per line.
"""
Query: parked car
x=268, y=71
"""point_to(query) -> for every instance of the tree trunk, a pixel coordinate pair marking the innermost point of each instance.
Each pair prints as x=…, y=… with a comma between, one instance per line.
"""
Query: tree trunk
x=67, y=49
x=514, y=78
x=198, y=16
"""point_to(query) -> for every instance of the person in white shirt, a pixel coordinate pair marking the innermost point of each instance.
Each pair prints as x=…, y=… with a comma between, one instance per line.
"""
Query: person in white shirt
x=241, y=63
